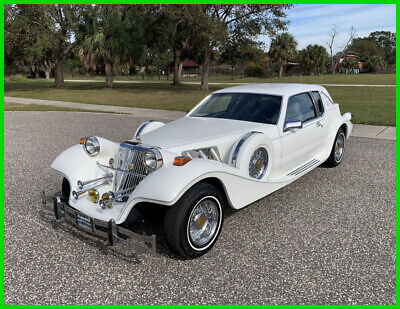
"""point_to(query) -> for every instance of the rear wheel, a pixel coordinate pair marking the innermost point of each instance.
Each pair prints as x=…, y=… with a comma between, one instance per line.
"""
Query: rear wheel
x=337, y=152
x=193, y=224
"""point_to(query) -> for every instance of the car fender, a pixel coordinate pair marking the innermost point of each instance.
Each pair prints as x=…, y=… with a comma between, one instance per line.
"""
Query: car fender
x=147, y=127
x=244, y=148
x=167, y=185
x=332, y=131
x=75, y=164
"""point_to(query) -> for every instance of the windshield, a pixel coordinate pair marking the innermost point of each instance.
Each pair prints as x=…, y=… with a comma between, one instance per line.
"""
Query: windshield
x=241, y=106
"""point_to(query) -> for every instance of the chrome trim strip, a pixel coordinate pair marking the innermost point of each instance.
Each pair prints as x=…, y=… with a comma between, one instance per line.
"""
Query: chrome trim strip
x=303, y=168
x=239, y=145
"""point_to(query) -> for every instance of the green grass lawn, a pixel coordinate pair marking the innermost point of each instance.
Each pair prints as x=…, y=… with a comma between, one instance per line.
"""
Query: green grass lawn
x=364, y=79
x=369, y=105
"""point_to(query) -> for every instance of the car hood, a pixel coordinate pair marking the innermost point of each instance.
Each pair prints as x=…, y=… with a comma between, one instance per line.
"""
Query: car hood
x=192, y=130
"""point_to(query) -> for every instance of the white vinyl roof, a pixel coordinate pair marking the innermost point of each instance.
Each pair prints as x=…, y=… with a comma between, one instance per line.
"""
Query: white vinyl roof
x=273, y=89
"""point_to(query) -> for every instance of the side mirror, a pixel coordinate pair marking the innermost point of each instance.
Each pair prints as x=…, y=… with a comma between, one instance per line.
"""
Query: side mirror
x=292, y=125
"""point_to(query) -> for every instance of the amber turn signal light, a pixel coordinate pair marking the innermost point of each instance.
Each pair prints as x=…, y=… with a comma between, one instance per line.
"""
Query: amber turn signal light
x=82, y=141
x=181, y=160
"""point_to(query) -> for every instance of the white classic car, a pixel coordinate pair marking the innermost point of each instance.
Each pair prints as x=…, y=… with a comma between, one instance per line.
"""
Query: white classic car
x=236, y=146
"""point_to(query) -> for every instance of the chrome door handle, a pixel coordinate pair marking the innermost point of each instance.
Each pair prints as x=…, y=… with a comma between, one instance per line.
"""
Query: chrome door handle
x=319, y=124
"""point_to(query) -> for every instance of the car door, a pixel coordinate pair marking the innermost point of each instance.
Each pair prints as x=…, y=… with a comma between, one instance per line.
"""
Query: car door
x=320, y=107
x=299, y=146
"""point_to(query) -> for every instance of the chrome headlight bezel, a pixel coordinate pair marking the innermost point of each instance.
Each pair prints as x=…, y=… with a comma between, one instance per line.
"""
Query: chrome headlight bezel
x=92, y=146
x=154, y=156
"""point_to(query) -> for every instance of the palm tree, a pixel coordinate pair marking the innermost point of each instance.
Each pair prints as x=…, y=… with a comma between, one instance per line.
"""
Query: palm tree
x=113, y=39
x=314, y=57
x=283, y=48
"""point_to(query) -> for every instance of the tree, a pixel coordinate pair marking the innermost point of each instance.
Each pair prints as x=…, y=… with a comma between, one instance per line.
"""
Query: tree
x=365, y=48
x=252, y=19
x=114, y=38
x=349, y=64
x=172, y=27
x=339, y=55
x=374, y=63
x=331, y=45
x=314, y=58
x=239, y=49
x=58, y=23
x=26, y=48
x=282, y=49
x=387, y=40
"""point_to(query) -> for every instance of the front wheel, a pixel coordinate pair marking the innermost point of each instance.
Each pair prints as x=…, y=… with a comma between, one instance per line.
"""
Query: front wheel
x=193, y=224
x=337, y=151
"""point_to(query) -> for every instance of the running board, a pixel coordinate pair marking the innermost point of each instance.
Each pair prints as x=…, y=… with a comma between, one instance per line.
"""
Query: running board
x=303, y=168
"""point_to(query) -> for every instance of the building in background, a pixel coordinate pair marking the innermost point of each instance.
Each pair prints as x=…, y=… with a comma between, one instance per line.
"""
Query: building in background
x=189, y=68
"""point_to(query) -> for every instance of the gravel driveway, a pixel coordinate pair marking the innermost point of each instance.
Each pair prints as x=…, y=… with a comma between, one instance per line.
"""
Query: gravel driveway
x=326, y=238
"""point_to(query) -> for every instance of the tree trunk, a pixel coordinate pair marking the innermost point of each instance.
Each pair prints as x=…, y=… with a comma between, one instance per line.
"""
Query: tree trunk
x=179, y=76
x=281, y=70
x=109, y=75
x=59, y=73
x=206, y=70
x=177, y=63
x=333, y=68
x=337, y=63
x=47, y=70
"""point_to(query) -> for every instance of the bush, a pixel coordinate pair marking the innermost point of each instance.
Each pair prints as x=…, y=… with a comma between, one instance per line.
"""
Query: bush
x=255, y=70
x=74, y=65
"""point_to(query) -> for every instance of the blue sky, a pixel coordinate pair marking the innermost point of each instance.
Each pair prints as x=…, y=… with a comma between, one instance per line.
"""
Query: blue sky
x=312, y=23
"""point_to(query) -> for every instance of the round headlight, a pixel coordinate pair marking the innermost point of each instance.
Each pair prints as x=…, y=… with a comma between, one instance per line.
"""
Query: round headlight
x=258, y=163
x=92, y=145
x=152, y=159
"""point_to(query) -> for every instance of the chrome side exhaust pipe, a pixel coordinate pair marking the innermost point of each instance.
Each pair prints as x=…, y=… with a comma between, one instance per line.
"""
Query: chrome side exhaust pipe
x=81, y=184
x=77, y=194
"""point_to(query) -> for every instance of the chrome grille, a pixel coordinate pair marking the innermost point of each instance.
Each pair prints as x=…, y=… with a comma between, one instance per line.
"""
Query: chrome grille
x=129, y=153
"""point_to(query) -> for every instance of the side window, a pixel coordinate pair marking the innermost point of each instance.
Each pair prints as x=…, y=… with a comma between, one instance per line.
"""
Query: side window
x=317, y=99
x=326, y=99
x=300, y=108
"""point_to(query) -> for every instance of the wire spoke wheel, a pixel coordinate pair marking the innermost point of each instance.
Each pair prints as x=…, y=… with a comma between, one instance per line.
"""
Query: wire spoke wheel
x=339, y=147
x=203, y=222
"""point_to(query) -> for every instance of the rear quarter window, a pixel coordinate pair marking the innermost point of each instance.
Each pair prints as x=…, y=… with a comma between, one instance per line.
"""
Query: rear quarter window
x=326, y=99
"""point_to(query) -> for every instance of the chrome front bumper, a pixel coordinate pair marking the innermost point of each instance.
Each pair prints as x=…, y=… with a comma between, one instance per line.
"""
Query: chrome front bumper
x=110, y=231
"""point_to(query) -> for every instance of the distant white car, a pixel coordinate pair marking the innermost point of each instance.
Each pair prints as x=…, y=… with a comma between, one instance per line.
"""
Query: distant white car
x=236, y=146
